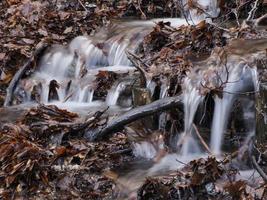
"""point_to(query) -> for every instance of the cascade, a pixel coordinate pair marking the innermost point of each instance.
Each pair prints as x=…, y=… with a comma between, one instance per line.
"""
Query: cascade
x=114, y=93
x=66, y=74
x=239, y=78
x=191, y=99
x=207, y=8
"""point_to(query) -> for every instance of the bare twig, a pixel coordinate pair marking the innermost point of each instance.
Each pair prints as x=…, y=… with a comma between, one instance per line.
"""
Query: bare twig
x=68, y=97
x=202, y=140
x=137, y=58
x=219, y=27
x=13, y=84
x=236, y=17
x=252, y=12
x=137, y=62
x=81, y=3
x=181, y=8
x=259, y=169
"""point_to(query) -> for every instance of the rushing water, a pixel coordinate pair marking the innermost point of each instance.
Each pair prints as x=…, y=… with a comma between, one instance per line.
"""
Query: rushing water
x=209, y=9
x=66, y=75
x=240, y=78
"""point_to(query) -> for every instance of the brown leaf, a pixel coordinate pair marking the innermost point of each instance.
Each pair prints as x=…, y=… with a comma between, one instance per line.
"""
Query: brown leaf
x=236, y=189
x=17, y=167
x=201, y=25
x=68, y=30
x=44, y=177
x=28, y=41
x=64, y=15
x=42, y=32
x=6, y=78
x=60, y=151
x=9, y=180
x=102, y=74
x=2, y=56
x=13, y=2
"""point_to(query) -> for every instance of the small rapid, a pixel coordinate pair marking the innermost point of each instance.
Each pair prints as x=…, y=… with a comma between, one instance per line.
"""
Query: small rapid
x=66, y=77
x=67, y=74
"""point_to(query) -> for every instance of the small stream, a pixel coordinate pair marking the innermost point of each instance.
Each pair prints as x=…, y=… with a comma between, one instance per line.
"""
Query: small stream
x=73, y=69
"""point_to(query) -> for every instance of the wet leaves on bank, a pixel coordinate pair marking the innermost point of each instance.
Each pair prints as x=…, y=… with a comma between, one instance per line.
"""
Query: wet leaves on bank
x=169, y=49
x=200, y=179
x=45, y=152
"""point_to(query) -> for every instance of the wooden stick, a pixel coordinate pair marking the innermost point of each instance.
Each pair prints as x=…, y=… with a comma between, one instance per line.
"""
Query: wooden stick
x=252, y=12
x=133, y=115
x=202, y=140
x=81, y=3
x=13, y=84
x=137, y=62
x=259, y=169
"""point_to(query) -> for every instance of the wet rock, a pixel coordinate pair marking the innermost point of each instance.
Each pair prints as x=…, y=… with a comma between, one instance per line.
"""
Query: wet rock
x=261, y=116
x=53, y=93
x=141, y=96
x=36, y=93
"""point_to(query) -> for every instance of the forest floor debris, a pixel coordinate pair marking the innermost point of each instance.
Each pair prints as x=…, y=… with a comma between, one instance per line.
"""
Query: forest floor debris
x=43, y=160
x=24, y=24
x=45, y=154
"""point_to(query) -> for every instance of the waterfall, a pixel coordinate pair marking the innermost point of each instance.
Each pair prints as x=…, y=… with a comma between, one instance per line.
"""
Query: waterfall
x=163, y=93
x=191, y=99
x=220, y=119
x=144, y=149
x=201, y=10
x=66, y=74
x=114, y=93
x=240, y=77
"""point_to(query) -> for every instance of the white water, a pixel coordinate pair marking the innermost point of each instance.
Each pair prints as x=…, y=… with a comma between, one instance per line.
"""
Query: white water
x=65, y=64
x=114, y=93
x=240, y=76
x=191, y=99
x=144, y=149
x=204, y=9
x=74, y=67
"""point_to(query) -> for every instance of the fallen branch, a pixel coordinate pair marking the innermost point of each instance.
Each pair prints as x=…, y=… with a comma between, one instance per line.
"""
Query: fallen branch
x=252, y=12
x=202, y=140
x=12, y=86
x=84, y=7
x=259, y=169
x=133, y=115
x=137, y=62
x=140, y=8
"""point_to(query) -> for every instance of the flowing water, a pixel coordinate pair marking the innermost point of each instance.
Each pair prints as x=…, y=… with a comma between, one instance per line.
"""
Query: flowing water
x=240, y=77
x=66, y=75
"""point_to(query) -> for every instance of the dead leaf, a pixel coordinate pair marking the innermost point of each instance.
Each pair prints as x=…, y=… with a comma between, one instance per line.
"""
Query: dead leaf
x=60, y=151
x=28, y=41
x=67, y=30
x=2, y=56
